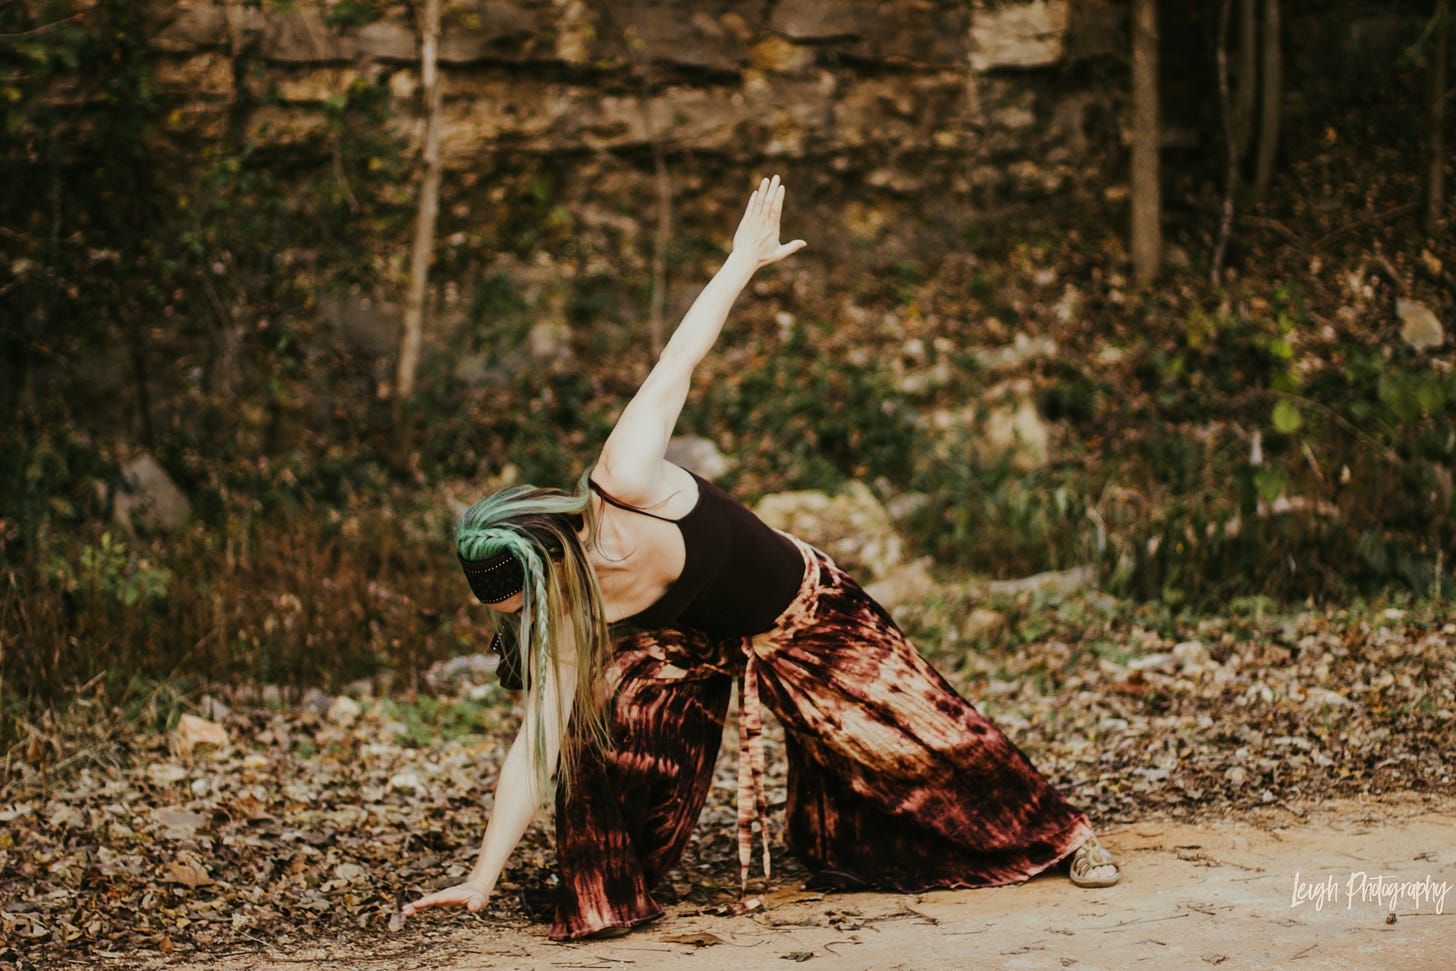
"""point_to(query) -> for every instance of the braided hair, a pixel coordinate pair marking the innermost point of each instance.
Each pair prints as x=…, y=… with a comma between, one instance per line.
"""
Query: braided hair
x=538, y=528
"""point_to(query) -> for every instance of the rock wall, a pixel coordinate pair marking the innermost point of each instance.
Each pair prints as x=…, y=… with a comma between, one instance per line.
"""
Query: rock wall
x=903, y=127
x=913, y=98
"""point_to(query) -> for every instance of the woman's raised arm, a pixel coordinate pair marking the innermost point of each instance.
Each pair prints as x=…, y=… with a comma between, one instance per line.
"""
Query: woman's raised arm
x=631, y=463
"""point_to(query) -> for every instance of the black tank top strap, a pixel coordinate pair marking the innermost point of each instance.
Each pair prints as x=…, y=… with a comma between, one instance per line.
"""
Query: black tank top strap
x=738, y=574
x=612, y=500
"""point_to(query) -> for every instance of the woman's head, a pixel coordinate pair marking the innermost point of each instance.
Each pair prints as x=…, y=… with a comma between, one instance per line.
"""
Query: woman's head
x=510, y=536
x=521, y=549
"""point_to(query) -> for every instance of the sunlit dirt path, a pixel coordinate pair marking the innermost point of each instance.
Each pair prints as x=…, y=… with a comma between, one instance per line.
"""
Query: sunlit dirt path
x=1354, y=884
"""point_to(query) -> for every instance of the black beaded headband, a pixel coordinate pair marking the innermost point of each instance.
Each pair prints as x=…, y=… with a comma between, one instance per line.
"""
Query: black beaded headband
x=498, y=578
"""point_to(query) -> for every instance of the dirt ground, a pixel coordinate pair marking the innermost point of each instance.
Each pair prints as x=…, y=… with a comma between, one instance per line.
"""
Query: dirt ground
x=1272, y=891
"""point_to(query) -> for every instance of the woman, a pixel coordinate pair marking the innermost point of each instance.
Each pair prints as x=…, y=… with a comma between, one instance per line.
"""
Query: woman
x=631, y=607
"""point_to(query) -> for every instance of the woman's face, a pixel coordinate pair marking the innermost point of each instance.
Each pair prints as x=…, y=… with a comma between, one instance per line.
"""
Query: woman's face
x=511, y=605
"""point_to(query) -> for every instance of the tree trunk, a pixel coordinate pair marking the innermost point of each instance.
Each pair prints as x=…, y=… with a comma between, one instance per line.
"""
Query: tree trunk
x=1245, y=76
x=1269, y=106
x=1147, y=201
x=1436, y=183
x=1231, y=145
x=412, y=335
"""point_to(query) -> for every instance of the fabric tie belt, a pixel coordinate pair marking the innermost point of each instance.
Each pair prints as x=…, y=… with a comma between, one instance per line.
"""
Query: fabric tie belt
x=751, y=802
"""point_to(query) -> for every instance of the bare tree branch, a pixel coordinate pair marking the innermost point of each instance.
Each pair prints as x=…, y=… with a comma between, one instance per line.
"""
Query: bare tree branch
x=412, y=334
x=1436, y=180
x=42, y=28
x=1231, y=175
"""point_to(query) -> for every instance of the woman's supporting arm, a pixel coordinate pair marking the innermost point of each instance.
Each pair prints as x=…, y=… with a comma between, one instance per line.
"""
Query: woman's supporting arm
x=515, y=799
x=631, y=463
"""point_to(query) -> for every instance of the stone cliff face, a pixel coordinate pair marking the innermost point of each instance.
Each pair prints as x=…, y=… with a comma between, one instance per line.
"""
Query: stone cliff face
x=930, y=99
x=901, y=126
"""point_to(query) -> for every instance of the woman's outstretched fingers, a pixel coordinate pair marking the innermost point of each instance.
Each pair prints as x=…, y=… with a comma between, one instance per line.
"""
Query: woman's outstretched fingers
x=461, y=895
x=758, y=234
x=750, y=211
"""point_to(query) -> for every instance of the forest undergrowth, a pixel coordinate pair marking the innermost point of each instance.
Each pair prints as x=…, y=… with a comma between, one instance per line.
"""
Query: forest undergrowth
x=248, y=814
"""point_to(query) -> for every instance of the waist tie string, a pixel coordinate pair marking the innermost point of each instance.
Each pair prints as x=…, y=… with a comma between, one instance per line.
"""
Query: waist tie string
x=751, y=802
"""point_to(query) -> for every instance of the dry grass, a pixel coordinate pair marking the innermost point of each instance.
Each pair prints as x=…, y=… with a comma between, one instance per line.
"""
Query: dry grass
x=299, y=603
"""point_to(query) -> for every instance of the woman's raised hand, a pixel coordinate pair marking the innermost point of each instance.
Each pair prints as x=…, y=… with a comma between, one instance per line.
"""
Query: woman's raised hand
x=758, y=234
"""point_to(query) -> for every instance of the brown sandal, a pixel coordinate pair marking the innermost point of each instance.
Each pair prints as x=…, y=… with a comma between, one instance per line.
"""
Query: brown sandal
x=1089, y=856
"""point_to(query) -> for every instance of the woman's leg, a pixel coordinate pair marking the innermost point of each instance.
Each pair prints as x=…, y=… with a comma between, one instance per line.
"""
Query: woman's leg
x=629, y=812
x=895, y=780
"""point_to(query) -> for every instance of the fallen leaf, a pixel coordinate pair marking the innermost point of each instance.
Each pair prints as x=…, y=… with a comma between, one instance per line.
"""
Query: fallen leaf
x=193, y=732
x=165, y=773
x=791, y=895
x=179, y=822
x=186, y=875
x=344, y=711
x=696, y=940
x=406, y=781
x=350, y=872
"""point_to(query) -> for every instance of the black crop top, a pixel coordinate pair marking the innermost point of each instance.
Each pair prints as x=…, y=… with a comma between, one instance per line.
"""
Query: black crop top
x=738, y=573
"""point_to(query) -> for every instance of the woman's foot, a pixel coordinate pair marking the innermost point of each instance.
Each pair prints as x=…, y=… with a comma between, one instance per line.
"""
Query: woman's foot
x=1093, y=865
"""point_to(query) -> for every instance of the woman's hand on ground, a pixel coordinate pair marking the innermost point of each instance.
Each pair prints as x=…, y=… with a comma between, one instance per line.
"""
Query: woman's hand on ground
x=758, y=234
x=466, y=895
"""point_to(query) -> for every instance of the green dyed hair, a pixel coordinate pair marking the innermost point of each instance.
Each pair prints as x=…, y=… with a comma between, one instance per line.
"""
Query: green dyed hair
x=539, y=528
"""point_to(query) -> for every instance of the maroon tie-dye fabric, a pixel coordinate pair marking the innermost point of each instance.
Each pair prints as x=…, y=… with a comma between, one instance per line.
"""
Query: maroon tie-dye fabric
x=895, y=781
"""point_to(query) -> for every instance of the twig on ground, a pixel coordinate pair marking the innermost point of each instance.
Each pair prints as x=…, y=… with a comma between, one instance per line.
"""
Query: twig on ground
x=1132, y=923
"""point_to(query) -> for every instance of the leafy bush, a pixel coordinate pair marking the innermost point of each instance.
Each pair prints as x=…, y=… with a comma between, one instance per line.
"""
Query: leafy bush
x=800, y=415
x=996, y=520
x=110, y=569
x=1250, y=466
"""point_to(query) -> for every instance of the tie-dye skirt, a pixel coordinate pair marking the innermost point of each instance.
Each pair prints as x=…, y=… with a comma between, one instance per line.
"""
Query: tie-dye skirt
x=894, y=781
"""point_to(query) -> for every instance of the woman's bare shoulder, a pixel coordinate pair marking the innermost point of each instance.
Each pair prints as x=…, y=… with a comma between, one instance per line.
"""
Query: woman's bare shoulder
x=660, y=491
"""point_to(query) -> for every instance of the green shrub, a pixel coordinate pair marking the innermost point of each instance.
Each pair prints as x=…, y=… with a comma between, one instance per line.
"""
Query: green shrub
x=798, y=415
